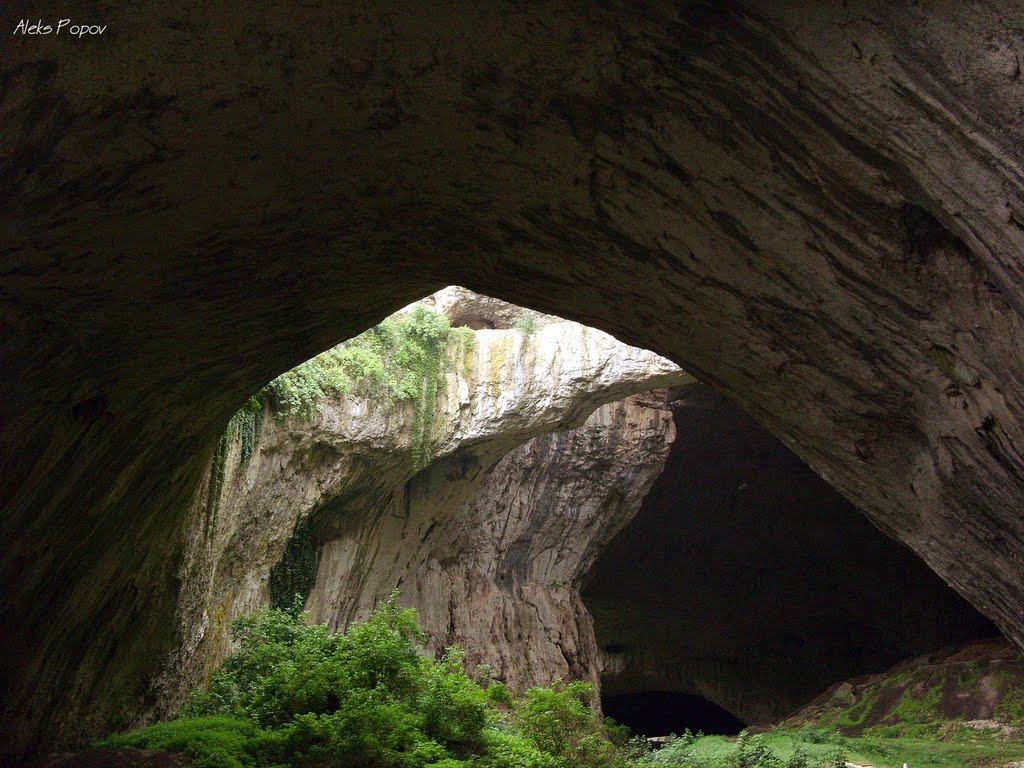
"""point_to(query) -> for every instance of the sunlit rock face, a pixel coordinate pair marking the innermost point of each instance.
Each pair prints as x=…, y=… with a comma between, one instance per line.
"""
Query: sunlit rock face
x=745, y=579
x=492, y=555
x=813, y=207
x=350, y=471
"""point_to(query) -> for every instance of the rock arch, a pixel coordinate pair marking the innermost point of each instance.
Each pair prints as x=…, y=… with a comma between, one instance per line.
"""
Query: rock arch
x=814, y=209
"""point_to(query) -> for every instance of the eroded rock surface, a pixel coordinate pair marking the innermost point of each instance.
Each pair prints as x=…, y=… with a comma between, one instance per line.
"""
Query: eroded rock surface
x=813, y=207
x=351, y=469
x=971, y=687
x=493, y=558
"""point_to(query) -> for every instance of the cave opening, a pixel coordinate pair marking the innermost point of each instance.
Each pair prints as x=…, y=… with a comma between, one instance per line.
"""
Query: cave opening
x=648, y=495
x=662, y=713
x=767, y=584
x=745, y=577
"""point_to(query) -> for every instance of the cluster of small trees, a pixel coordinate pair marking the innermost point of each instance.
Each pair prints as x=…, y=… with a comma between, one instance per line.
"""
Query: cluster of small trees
x=291, y=694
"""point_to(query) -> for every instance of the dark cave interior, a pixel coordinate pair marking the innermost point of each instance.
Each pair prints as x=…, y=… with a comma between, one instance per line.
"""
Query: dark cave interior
x=661, y=713
x=755, y=583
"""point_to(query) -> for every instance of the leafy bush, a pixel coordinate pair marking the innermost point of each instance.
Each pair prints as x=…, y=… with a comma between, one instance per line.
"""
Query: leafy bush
x=298, y=695
x=560, y=720
x=510, y=749
x=291, y=694
x=212, y=742
x=754, y=752
x=527, y=322
x=799, y=759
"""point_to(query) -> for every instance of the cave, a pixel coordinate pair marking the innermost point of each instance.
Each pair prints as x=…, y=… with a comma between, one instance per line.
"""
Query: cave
x=663, y=713
x=813, y=210
x=746, y=579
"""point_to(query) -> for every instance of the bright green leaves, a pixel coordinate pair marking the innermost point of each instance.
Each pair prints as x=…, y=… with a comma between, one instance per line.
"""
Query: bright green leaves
x=403, y=359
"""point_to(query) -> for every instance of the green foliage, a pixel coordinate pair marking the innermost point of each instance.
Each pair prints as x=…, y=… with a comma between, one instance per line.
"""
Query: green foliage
x=291, y=694
x=212, y=742
x=754, y=752
x=402, y=359
x=218, y=470
x=295, y=573
x=560, y=720
x=364, y=698
x=617, y=733
x=499, y=695
x=246, y=424
x=527, y=322
x=800, y=758
x=298, y=695
x=1011, y=708
x=856, y=715
x=920, y=708
x=511, y=749
x=769, y=750
x=454, y=706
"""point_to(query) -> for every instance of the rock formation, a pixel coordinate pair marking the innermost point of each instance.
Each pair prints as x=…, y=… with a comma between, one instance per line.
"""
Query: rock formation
x=815, y=208
x=974, y=687
x=499, y=572
x=350, y=471
x=748, y=581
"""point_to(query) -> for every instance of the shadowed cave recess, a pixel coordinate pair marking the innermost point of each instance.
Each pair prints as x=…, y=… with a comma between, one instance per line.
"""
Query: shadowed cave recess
x=813, y=208
x=746, y=583
x=667, y=712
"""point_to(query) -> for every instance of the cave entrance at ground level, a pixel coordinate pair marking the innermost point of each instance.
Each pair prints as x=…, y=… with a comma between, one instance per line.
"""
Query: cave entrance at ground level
x=660, y=713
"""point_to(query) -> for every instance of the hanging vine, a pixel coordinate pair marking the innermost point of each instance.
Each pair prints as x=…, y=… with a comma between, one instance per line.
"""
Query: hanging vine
x=293, y=577
x=246, y=425
x=402, y=359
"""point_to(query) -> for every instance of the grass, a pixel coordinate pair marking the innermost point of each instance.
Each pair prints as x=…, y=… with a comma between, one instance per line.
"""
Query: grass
x=967, y=749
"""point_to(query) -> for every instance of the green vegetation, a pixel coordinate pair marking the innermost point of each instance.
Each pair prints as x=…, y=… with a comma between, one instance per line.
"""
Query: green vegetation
x=294, y=575
x=769, y=750
x=527, y=322
x=297, y=695
x=811, y=748
x=246, y=424
x=920, y=706
x=1011, y=708
x=402, y=359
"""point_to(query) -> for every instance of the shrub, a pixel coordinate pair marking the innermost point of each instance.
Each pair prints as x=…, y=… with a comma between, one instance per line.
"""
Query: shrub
x=799, y=759
x=509, y=749
x=364, y=698
x=754, y=752
x=526, y=322
x=454, y=707
x=560, y=721
x=291, y=694
x=676, y=752
x=212, y=742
